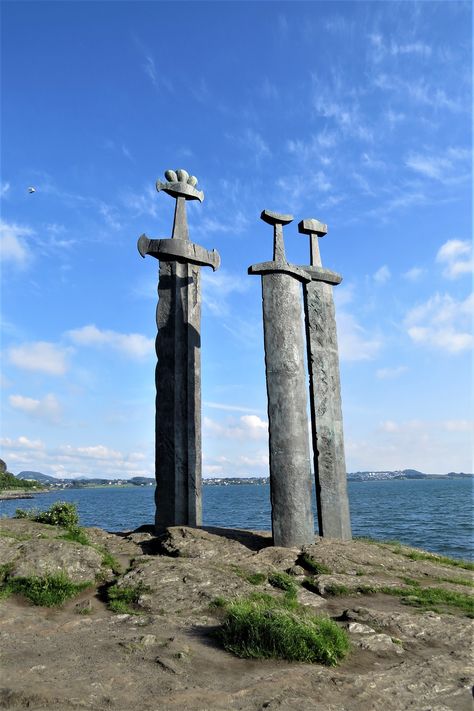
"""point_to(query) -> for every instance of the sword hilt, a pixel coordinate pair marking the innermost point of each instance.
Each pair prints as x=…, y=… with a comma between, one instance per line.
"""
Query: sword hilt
x=277, y=220
x=314, y=229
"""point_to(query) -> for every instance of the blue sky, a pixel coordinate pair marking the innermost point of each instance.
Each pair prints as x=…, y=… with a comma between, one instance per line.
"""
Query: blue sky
x=357, y=114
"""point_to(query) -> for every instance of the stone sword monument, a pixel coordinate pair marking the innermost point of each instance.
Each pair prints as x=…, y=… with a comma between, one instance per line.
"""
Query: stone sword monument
x=178, y=459
x=290, y=469
x=325, y=391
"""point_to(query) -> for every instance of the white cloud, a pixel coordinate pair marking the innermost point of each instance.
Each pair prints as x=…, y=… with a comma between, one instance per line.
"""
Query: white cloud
x=4, y=189
x=218, y=286
x=68, y=461
x=229, y=408
x=48, y=408
x=433, y=447
x=442, y=322
x=430, y=166
x=382, y=275
x=256, y=144
x=345, y=113
x=233, y=224
x=144, y=203
x=133, y=345
x=354, y=341
x=109, y=213
x=456, y=255
x=40, y=356
x=418, y=90
x=388, y=373
x=22, y=443
x=247, y=427
x=414, y=274
x=13, y=246
x=382, y=47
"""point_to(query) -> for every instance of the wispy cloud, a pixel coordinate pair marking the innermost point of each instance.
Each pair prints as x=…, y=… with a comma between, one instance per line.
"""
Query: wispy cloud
x=231, y=408
x=47, y=408
x=218, y=287
x=382, y=48
x=4, y=190
x=456, y=256
x=414, y=274
x=244, y=428
x=68, y=461
x=13, y=245
x=434, y=447
x=133, y=345
x=390, y=373
x=144, y=203
x=419, y=91
x=40, y=356
x=442, y=323
x=355, y=343
x=382, y=275
x=346, y=114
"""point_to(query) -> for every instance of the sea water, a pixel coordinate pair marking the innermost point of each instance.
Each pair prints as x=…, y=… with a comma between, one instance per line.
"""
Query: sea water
x=433, y=514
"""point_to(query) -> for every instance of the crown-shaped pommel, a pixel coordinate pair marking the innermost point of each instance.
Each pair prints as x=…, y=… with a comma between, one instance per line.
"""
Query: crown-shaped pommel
x=180, y=184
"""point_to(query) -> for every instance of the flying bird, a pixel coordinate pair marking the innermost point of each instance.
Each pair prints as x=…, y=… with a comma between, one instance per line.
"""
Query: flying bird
x=31, y=189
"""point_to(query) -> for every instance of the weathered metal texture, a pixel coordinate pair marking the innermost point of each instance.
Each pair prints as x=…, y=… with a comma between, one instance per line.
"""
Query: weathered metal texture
x=178, y=396
x=178, y=457
x=290, y=469
x=325, y=397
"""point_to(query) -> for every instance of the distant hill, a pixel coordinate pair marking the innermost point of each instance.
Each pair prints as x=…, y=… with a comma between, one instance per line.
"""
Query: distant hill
x=37, y=476
x=83, y=482
x=403, y=474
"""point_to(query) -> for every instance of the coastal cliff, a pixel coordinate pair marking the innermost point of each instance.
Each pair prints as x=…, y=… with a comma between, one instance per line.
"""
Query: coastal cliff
x=139, y=631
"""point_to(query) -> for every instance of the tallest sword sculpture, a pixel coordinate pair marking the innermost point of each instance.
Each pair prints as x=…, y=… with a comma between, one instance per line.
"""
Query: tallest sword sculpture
x=178, y=459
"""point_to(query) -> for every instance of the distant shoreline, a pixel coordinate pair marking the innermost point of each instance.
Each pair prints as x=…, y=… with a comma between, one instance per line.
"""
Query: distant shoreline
x=221, y=481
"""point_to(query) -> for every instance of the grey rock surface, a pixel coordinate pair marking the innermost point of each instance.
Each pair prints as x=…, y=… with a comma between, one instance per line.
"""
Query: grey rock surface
x=83, y=656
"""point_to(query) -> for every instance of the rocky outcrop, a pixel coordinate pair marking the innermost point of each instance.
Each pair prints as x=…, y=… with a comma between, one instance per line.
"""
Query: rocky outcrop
x=162, y=655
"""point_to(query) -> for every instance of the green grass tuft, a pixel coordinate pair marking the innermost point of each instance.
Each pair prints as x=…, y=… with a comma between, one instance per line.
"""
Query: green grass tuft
x=433, y=598
x=45, y=591
x=283, y=581
x=108, y=561
x=313, y=566
x=76, y=535
x=260, y=630
x=256, y=578
x=442, y=559
x=123, y=599
x=335, y=590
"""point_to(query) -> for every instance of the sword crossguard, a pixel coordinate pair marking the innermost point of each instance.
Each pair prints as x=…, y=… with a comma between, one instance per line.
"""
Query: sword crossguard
x=167, y=250
x=277, y=220
x=315, y=229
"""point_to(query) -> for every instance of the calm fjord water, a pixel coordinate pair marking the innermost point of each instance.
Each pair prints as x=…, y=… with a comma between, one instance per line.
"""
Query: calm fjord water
x=432, y=514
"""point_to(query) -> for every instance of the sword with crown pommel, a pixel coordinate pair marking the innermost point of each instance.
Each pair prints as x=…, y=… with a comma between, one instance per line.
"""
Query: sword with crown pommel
x=178, y=457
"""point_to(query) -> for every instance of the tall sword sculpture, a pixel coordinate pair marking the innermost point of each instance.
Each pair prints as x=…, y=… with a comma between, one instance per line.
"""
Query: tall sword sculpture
x=178, y=459
x=325, y=391
x=290, y=471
